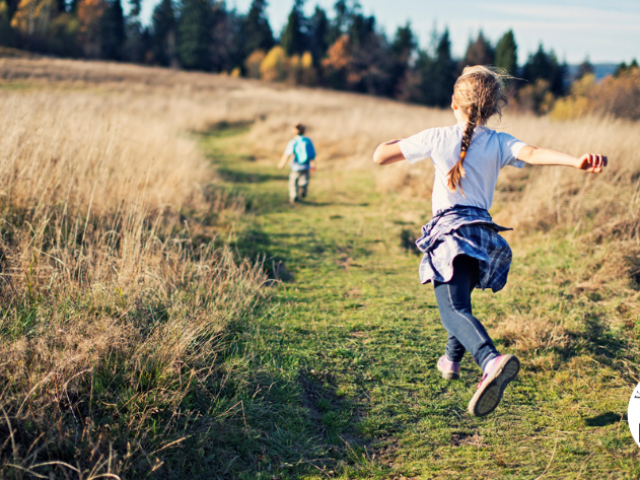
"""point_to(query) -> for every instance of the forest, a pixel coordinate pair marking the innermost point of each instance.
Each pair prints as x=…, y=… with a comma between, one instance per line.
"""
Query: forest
x=342, y=50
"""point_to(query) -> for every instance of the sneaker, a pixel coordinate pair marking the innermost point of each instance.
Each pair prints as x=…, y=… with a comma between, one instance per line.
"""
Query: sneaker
x=450, y=370
x=497, y=375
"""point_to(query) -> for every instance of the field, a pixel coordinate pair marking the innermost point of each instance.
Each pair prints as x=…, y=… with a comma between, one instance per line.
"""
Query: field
x=166, y=313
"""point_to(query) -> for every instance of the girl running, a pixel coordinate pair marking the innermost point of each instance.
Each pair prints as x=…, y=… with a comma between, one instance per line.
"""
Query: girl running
x=461, y=245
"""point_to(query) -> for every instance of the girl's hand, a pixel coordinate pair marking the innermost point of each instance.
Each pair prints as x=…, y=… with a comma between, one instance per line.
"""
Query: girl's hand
x=592, y=162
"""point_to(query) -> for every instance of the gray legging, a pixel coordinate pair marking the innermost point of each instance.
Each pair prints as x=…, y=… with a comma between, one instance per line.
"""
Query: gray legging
x=298, y=184
x=454, y=303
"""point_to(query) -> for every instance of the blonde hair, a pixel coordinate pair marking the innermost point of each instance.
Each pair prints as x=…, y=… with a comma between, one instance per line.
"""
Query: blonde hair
x=479, y=92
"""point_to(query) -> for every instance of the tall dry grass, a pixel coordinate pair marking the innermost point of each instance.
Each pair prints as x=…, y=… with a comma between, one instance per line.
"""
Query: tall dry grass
x=112, y=313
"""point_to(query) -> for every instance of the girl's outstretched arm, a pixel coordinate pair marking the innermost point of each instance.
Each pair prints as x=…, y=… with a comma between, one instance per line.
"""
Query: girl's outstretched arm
x=388, y=152
x=591, y=162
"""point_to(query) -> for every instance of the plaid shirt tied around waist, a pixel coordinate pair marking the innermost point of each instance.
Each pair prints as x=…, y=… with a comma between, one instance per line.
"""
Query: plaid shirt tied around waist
x=464, y=230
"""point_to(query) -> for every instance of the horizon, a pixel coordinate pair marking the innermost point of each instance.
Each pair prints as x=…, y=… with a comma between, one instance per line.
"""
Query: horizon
x=574, y=30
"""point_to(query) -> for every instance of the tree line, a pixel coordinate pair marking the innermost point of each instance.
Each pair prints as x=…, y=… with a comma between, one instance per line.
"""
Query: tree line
x=344, y=50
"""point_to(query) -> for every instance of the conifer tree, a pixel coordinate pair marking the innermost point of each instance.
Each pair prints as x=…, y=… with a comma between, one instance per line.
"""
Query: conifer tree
x=506, y=55
x=403, y=45
x=318, y=35
x=257, y=31
x=137, y=46
x=361, y=28
x=224, y=50
x=340, y=22
x=624, y=68
x=163, y=34
x=479, y=52
x=585, y=68
x=195, y=35
x=374, y=67
x=293, y=39
x=135, y=7
x=6, y=33
x=442, y=76
x=404, y=42
x=238, y=53
x=112, y=31
x=12, y=7
x=545, y=66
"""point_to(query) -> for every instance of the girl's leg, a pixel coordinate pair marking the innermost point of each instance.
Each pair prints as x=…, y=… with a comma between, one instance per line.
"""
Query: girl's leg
x=454, y=303
x=454, y=350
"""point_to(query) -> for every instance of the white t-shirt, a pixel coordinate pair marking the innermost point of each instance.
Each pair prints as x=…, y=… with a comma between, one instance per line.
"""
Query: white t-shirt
x=488, y=153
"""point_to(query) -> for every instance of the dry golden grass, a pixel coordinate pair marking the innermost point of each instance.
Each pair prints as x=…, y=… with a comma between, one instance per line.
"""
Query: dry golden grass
x=112, y=287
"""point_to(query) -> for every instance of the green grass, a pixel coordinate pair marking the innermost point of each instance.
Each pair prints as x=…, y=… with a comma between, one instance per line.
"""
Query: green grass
x=334, y=377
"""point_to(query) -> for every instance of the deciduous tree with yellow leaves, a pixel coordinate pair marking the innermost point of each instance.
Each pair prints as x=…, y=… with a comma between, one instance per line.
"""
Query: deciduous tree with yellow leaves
x=32, y=17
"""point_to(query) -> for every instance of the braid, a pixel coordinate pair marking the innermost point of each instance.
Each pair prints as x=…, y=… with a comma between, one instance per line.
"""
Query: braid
x=479, y=93
x=457, y=173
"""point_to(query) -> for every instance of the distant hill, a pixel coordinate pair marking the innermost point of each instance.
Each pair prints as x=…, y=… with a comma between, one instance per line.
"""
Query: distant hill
x=600, y=69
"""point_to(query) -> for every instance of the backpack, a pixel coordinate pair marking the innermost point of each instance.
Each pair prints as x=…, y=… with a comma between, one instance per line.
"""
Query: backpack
x=303, y=151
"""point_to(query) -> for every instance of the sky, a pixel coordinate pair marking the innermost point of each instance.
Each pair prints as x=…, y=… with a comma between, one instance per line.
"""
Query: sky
x=605, y=31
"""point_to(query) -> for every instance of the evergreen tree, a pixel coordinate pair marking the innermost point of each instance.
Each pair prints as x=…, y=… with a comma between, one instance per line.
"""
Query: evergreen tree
x=585, y=68
x=538, y=66
x=163, y=25
x=195, y=35
x=433, y=76
x=479, y=52
x=224, y=50
x=318, y=35
x=442, y=76
x=257, y=31
x=545, y=66
x=6, y=32
x=623, y=67
x=620, y=69
x=138, y=45
x=419, y=79
x=136, y=7
x=238, y=52
x=112, y=31
x=361, y=28
x=12, y=7
x=293, y=38
x=506, y=54
x=403, y=45
x=340, y=22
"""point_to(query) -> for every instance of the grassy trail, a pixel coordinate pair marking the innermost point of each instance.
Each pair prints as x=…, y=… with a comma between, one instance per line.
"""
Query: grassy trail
x=336, y=374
